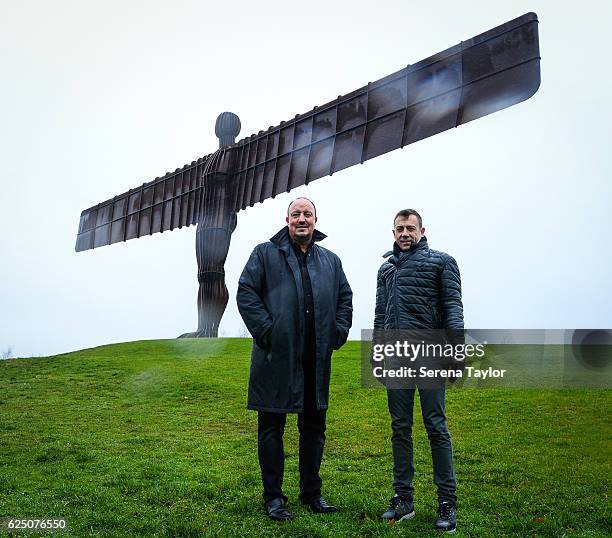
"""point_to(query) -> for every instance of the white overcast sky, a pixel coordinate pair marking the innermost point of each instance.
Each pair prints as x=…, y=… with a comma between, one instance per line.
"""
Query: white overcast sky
x=99, y=97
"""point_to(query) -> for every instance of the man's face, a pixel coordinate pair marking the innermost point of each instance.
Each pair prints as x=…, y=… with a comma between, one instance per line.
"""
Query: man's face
x=407, y=232
x=301, y=221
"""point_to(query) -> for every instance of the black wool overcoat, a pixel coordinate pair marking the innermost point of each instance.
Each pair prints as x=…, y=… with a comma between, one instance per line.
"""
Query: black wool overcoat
x=271, y=302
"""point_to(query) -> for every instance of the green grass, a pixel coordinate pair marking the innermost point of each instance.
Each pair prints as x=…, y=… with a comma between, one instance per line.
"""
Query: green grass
x=153, y=438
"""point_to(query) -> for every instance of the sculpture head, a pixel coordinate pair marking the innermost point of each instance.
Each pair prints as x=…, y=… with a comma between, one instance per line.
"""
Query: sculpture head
x=407, y=228
x=301, y=219
x=227, y=128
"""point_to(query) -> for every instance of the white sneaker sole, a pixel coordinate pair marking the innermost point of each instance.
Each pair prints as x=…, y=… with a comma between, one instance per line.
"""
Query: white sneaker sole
x=406, y=517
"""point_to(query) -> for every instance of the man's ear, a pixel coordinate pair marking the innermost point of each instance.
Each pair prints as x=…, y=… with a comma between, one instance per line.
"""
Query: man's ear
x=316, y=219
x=422, y=231
x=287, y=219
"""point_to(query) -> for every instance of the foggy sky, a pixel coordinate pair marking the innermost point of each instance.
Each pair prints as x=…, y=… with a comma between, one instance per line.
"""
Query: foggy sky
x=98, y=98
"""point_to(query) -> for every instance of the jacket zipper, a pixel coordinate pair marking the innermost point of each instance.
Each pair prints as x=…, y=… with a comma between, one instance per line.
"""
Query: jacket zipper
x=396, y=317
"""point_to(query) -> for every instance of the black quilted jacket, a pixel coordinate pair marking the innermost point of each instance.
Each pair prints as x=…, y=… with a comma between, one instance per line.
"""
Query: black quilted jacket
x=418, y=289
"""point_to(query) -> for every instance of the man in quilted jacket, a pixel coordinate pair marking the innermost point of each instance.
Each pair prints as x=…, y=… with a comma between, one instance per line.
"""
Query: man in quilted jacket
x=419, y=288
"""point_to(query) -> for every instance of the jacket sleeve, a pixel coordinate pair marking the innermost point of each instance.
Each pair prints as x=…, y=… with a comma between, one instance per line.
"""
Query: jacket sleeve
x=450, y=295
x=381, y=302
x=378, y=335
x=344, y=310
x=250, y=303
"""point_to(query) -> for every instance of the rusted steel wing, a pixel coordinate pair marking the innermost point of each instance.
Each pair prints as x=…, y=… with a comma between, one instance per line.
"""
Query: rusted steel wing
x=168, y=202
x=482, y=75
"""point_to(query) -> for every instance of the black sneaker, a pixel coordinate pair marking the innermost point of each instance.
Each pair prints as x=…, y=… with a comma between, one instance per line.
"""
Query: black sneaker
x=400, y=509
x=447, y=518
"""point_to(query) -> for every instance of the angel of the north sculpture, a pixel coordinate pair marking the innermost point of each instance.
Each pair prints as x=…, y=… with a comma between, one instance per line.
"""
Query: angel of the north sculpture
x=484, y=74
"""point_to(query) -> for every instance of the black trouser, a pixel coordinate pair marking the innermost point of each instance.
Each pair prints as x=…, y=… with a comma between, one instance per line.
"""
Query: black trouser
x=311, y=426
x=270, y=429
x=401, y=407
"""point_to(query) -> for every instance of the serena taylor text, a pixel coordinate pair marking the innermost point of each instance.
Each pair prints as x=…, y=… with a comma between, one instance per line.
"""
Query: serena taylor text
x=423, y=372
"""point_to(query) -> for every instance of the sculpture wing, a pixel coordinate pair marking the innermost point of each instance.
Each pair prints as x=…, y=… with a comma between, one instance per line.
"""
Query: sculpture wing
x=487, y=73
x=163, y=204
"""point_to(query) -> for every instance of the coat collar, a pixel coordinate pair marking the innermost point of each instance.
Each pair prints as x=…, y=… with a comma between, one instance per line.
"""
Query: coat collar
x=396, y=252
x=282, y=240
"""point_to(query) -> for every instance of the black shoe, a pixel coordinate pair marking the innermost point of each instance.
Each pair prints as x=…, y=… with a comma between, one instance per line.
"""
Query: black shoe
x=400, y=509
x=447, y=518
x=320, y=506
x=277, y=510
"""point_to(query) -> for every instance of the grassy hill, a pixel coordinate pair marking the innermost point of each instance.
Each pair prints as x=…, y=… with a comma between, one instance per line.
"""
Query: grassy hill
x=152, y=438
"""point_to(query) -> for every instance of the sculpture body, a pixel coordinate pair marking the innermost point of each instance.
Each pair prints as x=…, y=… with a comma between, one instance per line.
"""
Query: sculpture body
x=213, y=237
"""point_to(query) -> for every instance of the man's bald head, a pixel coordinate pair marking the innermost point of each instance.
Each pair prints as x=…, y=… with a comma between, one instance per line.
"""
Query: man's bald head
x=314, y=209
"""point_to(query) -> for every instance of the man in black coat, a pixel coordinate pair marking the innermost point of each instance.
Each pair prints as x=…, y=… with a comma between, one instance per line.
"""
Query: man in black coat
x=297, y=304
x=419, y=288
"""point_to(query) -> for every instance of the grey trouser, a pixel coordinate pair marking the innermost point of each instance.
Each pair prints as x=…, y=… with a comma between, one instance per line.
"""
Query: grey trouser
x=401, y=407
